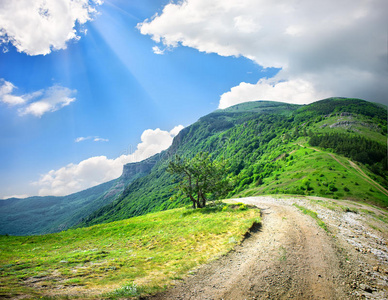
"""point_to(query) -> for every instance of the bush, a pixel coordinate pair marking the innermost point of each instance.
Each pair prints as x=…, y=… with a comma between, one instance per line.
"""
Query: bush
x=245, y=181
x=235, y=206
x=243, y=207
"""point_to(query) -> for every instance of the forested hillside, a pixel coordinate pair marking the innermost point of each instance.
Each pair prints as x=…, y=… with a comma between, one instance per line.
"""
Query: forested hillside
x=335, y=148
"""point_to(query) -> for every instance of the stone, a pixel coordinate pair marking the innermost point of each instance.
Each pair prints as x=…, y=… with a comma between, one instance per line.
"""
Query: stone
x=366, y=288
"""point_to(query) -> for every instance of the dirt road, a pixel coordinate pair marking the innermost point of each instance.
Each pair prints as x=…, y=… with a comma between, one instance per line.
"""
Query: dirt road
x=291, y=257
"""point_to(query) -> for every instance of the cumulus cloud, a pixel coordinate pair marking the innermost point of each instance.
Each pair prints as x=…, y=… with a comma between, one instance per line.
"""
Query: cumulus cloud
x=41, y=26
x=96, y=170
x=36, y=103
x=297, y=91
x=334, y=47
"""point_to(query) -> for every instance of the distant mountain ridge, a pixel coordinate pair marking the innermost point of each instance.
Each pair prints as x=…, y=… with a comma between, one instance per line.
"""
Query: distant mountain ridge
x=41, y=215
x=266, y=145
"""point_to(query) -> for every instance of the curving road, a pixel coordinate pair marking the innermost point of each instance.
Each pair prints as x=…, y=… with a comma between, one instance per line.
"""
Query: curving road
x=291, y=257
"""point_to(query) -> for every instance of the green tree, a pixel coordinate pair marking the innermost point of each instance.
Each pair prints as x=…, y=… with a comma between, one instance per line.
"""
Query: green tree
x=296, y=131
x=200, y=178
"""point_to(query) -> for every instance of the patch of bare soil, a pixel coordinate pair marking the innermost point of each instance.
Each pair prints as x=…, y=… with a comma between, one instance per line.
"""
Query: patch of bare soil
x=291, y=257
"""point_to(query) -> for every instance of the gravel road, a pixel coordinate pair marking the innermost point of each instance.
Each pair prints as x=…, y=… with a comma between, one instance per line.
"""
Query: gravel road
x=290, y=257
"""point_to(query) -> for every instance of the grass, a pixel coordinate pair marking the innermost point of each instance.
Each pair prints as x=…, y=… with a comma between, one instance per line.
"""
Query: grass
x=380, y=216
x=316, y=173
x=282, y=253
x=365, y=131
x=129, y=257
x=312, y=214
x=129, y=290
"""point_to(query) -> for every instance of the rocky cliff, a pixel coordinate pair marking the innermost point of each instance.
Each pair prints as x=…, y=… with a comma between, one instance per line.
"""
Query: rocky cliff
x=143, y=167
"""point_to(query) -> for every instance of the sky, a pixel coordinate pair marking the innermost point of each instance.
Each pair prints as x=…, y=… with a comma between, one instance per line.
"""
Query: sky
x=89, y=85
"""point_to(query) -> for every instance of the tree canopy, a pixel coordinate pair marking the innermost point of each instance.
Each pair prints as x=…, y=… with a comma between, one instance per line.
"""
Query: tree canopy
x=200, y=178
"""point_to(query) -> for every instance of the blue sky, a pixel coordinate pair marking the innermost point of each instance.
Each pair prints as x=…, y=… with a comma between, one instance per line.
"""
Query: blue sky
x=119, y=80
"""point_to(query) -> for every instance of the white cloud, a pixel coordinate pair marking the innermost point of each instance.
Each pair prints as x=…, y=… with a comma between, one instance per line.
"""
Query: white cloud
x=98, y=139
x=336, y=47
x=6, y=89
x=52, y=99
x=36, y=103
x=41, y=26
x=297, y=91
x=96, y=170
x=19, y=196
x=82, y=138
x=94, y=138
x=157, y=50
x=174, y=132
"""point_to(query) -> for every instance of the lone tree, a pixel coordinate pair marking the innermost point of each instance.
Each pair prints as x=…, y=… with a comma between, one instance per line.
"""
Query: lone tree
x=200, y=178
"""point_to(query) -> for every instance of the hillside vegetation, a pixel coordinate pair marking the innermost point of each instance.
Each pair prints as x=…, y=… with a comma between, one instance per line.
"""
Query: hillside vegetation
x=332, y=148
x=120, y=259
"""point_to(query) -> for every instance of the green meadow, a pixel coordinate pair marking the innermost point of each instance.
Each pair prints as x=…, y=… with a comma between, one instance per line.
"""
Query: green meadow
x=126, y=258
x=302, y=170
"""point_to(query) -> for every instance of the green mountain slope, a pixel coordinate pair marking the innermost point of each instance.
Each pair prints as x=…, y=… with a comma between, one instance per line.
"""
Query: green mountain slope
x=41, y=215
x=267, y=147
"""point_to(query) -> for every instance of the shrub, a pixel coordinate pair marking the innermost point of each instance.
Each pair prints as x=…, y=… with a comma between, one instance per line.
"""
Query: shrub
x=245, y=181
x=332, y=188
x=242, y=207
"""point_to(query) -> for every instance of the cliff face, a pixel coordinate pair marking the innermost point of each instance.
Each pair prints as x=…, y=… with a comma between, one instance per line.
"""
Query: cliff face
x=143, y=167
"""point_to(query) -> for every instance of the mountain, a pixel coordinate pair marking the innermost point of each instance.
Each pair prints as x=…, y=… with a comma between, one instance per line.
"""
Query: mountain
x=334, y=148
x=41, y=215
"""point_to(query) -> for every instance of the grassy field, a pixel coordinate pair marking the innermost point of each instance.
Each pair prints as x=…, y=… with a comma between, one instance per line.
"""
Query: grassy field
x=306, y=171
x=120, y=259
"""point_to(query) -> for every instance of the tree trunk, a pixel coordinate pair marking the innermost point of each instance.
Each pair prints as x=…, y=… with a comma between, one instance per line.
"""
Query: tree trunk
x=203, y=199
x=199, y=203
x=190, y=189
x=193, y=200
